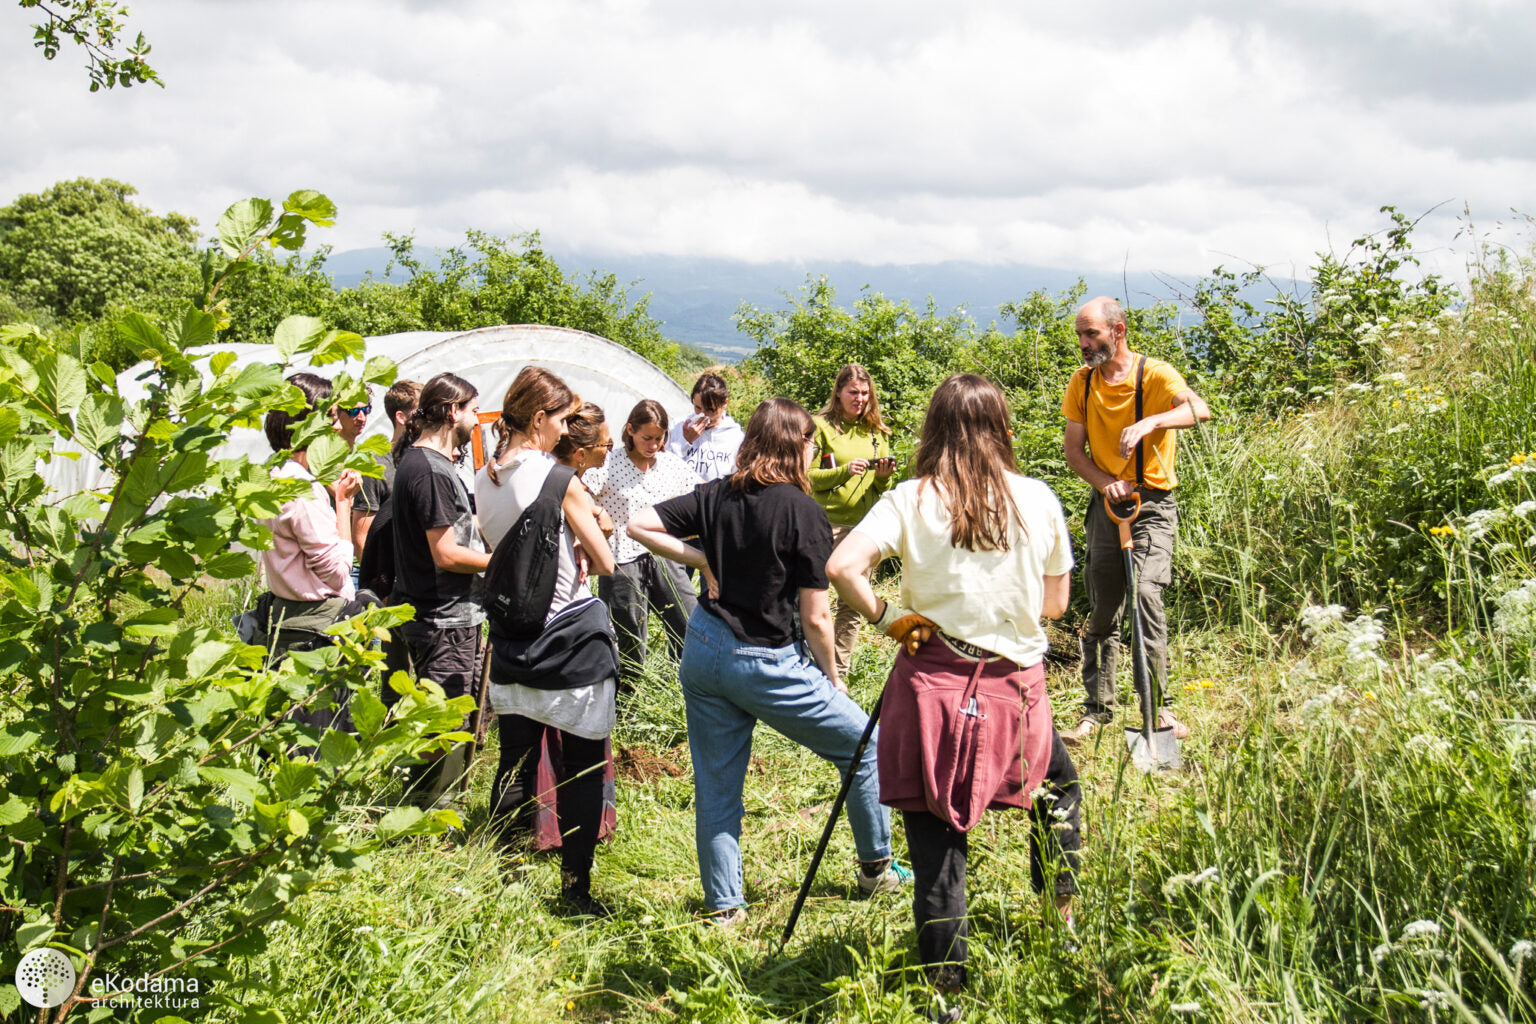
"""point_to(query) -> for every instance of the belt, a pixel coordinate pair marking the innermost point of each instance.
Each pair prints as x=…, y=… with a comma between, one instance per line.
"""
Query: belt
x=967, y=650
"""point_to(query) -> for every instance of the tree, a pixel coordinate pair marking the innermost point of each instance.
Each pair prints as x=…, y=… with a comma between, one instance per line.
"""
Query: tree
x=161, y=803
x=82, y=246
x=96, y=26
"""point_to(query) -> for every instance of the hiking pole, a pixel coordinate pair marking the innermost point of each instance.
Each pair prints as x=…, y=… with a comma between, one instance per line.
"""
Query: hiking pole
x=837, y=809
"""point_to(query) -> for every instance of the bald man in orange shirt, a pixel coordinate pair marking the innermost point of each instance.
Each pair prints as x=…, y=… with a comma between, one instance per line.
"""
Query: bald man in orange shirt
x=1123, y=412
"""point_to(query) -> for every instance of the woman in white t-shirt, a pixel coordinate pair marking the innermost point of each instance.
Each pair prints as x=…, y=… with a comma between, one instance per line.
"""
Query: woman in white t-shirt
x=636, y=479
x=967, y=724
x=532, y=422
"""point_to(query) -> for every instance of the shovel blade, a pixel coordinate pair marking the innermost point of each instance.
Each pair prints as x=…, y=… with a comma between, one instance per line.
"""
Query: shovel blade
x=1157, y=751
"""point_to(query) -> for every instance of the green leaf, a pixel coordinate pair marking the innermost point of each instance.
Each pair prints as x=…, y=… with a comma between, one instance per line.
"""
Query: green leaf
x=327, y=454
x=18, y=737
x=243, y=786
x=196, y=329
x=10, y=424
x=367, y=712
x=153, y=622
x=221, y=361
x=380, y=370
x=35, y=933
x=298, y=825
x=312, y=206
x=142, y=336
x=135, y=788
x=13, y=810
x=27, y=830
x=231, y=565
x=298, y=334
x=401, y=821
x=337, y=749
x=60, y=382
x=338, y=346
x=10, y=1000
x=293, y=778
x=207, y=657
x=241, y=223
x=100, y=421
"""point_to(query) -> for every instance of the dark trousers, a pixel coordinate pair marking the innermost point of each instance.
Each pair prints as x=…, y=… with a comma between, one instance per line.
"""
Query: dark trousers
x=448, y=657
x=635, y=590
x=938, y=855
x=1153, y=535
x=578, y=799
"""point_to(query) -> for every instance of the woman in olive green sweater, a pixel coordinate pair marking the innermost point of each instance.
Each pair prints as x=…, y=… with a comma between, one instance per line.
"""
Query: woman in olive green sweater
x=853, y=468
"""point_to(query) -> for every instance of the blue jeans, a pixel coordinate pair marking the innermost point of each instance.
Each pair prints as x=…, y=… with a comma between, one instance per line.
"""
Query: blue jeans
x=728, y=686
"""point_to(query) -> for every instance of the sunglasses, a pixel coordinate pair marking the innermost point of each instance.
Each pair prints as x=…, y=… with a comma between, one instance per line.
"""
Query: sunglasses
x=353, y=410
x=606, y=447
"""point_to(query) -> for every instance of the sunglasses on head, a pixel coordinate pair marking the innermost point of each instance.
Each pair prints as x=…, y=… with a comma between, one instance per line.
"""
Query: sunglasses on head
x=353, y=410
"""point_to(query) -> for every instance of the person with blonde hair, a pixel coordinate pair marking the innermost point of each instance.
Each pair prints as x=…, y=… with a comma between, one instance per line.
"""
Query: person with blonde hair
x=967, y=723
x=853, y=467
x=762, y=547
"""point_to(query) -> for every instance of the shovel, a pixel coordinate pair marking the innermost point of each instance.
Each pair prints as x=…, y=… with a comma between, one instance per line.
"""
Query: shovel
x=1152, y=748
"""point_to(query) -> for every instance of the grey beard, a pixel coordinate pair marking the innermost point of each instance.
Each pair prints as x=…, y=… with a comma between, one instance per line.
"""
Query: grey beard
x=1098, y=358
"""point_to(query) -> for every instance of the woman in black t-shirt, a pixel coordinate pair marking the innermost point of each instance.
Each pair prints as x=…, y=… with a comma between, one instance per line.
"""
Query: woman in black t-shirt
x=763, y=546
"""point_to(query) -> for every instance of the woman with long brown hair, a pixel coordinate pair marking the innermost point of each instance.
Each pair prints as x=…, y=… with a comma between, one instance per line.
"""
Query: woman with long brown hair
x=967, y=724
x=762, y=546
x=533, y=700
x=853, y=467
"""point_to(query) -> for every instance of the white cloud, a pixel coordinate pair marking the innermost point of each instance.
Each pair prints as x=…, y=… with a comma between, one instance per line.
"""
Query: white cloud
x=1159, y=134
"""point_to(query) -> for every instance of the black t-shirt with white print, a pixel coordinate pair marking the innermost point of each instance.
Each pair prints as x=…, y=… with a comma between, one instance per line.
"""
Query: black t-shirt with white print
x=763, y=545
x=428, y=493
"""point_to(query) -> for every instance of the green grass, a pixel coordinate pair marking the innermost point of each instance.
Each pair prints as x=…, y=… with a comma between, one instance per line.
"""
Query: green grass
x=1353, y=838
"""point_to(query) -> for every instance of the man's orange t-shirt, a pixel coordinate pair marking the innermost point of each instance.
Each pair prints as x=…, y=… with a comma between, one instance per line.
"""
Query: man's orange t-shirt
x=1113, y=408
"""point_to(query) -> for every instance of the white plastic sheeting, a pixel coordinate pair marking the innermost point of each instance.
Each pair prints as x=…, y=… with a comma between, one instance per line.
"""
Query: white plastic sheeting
x=490, y=358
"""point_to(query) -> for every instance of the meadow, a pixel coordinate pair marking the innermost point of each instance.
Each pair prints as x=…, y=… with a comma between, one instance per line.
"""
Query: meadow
x=1352, y=837
x=1353, y=619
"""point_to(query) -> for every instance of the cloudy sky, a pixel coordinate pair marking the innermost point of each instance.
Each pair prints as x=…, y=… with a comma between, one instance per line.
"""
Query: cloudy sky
x=1160, y=136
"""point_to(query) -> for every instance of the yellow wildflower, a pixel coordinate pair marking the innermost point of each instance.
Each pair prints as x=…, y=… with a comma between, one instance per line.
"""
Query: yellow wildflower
x=569, y=1006
x=1518, y=458
x=1396, y=403
x=1368, y=695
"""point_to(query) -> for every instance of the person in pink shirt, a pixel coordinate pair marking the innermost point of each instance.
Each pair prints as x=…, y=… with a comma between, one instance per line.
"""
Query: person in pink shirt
x=309, y=566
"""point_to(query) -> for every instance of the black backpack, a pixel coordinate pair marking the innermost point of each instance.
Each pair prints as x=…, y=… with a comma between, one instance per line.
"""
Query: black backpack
x=520, y=581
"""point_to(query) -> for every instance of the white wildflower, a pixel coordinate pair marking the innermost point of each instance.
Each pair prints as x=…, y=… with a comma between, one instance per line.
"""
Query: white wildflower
x=1190, y=1008
x=1317, y=708
x=1381, y=952
x=1501, y=478
x=1320, y=619
x=460, y=890
x=1399, y=428
x=1420, y=930
x=1522, y=950
x=1525, y=508
x=1038, y=792
x=1210, y=874
x=363, y=929
x=1530, y=800
x=1433, y=999
x=1515, y=613
x=1431, y=748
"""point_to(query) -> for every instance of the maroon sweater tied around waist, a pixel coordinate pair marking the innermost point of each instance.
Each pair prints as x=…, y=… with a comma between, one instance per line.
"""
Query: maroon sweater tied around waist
x=960, y=735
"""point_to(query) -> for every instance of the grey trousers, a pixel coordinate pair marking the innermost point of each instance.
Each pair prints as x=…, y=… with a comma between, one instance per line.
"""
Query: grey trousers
x=1153, y=534
x=634, y=591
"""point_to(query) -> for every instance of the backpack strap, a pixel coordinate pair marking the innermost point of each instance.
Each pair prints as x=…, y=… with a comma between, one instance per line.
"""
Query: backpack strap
x=559, y=479
x=1141, y=370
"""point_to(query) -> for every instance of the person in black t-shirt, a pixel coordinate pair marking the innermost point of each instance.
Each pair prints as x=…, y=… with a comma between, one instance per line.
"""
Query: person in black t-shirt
x=399, y=403
x=438, y=549
x=765, y=544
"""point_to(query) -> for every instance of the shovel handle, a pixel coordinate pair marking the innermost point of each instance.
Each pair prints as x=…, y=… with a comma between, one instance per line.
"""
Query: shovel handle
x=1124, y=522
